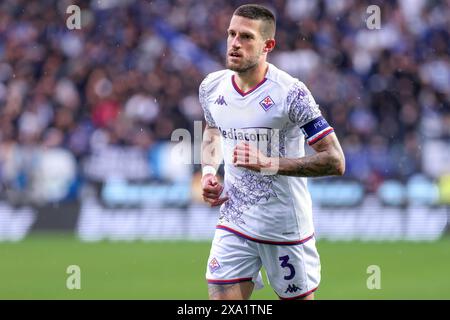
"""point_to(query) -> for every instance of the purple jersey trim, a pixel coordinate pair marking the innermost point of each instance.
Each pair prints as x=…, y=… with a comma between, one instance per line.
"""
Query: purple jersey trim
x=230, y=281
x=280, y=243
x=299, y=296
x=242, y=93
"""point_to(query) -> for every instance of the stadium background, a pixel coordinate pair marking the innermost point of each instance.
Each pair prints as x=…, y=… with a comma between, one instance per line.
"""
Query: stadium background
x=87, y=171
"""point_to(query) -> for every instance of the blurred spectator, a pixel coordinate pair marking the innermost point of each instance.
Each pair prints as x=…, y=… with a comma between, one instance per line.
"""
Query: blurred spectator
x=130, y=76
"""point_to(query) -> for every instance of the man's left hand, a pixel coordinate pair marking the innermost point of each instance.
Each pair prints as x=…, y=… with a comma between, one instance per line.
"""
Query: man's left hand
x=248, y=156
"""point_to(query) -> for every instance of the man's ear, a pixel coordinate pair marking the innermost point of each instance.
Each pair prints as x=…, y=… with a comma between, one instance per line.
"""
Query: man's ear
x=269, y=45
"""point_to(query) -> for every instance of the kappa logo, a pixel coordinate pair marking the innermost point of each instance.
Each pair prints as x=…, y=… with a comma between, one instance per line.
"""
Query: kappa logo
x=214, y=265
x=221, y=101
x=292, y=288
x=267, y=103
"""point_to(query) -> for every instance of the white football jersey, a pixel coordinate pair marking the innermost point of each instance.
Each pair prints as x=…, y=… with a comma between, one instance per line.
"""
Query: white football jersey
x=277, y=115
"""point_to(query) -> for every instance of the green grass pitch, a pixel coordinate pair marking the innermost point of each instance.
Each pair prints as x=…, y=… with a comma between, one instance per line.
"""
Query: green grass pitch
x=35, y=268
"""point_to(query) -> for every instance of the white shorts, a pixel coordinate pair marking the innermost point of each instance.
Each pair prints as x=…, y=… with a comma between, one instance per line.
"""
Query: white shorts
x=293, y=271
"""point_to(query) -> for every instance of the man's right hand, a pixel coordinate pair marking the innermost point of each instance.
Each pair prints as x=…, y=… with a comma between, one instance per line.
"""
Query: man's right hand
x=212, y=190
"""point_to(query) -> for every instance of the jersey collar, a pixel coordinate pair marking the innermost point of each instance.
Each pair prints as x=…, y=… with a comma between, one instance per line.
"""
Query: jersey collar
x=242, y=93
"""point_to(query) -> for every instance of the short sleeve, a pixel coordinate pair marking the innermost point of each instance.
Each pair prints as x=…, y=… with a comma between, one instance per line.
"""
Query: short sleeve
x=302, y=107
x=203, y=98
x=304, y=112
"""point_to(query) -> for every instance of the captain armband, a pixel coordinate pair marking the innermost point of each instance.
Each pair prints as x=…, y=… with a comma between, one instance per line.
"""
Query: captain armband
x=316, y=130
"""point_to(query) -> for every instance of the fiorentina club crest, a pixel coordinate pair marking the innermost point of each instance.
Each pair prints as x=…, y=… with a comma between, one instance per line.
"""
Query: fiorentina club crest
x=213, y=265
x=267, y=103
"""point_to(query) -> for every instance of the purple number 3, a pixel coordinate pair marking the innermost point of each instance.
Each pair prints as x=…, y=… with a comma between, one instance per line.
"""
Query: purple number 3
x=284, y=263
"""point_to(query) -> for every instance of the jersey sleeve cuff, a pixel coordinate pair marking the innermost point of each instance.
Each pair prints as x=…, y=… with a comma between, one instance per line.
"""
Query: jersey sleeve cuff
x=319, y=136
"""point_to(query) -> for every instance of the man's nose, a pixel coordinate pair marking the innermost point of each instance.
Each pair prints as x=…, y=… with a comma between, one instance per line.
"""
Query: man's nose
x=235, y=43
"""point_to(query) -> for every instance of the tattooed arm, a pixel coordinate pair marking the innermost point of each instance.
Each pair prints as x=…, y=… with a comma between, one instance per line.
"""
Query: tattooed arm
x=327, y=161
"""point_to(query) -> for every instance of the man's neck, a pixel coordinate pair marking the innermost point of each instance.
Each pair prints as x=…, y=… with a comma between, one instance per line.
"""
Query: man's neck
x=249, y=79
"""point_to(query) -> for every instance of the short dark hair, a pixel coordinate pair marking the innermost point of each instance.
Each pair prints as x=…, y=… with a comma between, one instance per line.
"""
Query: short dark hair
x=258, y=12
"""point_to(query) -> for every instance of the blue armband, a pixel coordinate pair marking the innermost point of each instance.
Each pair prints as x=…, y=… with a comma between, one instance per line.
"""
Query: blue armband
x=316, y=129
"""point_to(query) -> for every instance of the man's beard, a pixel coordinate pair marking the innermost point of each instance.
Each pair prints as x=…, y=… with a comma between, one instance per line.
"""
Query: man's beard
x=248, y=65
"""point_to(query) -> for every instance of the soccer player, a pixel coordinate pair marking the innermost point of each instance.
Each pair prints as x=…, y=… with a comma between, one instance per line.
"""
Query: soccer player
x=258, y=118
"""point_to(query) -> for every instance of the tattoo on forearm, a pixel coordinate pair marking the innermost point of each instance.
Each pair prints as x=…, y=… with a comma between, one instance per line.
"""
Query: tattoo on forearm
x=320, y=164
x=328, y=160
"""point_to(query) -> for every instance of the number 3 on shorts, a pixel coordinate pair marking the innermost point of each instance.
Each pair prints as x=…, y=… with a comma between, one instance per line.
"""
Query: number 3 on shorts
x=284, y=264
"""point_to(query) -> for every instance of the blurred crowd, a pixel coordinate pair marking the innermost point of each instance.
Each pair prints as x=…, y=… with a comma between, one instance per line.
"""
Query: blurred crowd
x=130, y=76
